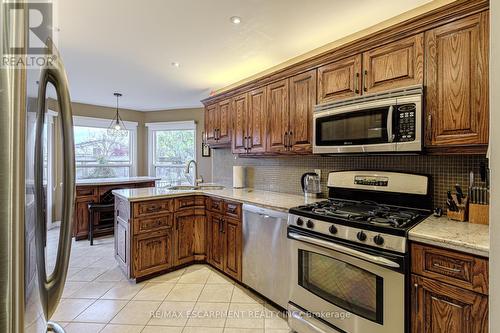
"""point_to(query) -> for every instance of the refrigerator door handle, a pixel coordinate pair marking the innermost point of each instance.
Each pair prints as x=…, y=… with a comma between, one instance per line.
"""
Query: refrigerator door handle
x=51, y=287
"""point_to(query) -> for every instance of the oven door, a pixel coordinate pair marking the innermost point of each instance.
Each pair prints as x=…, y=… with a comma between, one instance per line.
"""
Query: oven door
x=350, y=289
x=365, y=127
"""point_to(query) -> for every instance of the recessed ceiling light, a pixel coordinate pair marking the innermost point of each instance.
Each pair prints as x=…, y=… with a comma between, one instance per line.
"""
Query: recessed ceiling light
x=235, y=19
x=175, y=64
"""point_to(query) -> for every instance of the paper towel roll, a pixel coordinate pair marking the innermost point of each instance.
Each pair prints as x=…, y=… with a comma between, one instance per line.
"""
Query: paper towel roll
x=238, y=176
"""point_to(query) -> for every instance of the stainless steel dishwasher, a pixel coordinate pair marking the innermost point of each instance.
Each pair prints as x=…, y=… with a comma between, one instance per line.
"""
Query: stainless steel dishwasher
x=266, y=256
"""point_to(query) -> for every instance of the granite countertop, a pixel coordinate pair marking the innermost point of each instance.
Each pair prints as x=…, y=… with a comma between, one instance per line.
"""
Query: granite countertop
x=460, y=236
x=114, y=181
x=273, y=200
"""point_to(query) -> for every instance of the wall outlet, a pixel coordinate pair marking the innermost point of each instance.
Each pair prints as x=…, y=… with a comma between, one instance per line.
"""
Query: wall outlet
x=318, y=172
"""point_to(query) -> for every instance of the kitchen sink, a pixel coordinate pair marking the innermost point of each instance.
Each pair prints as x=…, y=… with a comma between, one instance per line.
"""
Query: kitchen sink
x=199, y=187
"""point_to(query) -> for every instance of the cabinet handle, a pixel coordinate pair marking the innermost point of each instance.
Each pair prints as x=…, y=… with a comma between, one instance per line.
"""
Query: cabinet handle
x=290, y=138
x=364, y=81
x=285, y=142
x=356, y=83
x=222, y=226
x=415, y=286
x=449, y=269
x=218, y=134
x=429, y=127
x=447, y=302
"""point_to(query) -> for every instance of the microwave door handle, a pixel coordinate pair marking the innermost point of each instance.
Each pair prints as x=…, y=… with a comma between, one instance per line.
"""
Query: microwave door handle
x=390, y=135
x=346, y=250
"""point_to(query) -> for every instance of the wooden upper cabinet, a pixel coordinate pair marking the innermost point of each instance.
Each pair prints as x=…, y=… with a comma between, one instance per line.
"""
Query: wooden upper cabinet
x=257, y=121
x=240, y=110
x=340, y=79
x=395, y=65
x=457, y=83
x=302, y=101
x=224, y=129
x=441, y=308
x=278, y=114
x=218, y=123
x=211, y=122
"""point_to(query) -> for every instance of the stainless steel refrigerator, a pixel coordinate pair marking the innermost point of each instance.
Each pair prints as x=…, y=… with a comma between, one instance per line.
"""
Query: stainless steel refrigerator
x=31, y=286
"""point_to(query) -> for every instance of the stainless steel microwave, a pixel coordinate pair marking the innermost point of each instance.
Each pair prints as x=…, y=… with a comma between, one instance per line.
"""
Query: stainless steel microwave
x=386, y=122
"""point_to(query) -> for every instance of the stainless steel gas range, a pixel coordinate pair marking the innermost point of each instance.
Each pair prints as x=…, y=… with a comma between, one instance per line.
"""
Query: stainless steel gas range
x=350, y=265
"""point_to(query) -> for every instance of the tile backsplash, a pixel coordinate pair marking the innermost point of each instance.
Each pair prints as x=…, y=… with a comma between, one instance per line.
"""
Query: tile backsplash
x=282, y=174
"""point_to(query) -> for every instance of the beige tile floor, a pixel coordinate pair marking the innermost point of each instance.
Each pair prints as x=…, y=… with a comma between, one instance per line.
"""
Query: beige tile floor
x=98, y=298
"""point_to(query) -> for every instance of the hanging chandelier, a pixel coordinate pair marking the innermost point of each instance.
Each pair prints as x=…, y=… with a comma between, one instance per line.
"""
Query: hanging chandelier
x=117, y=126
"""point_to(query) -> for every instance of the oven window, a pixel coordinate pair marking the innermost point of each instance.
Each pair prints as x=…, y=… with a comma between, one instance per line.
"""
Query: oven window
x=347, y=286
x=353, y=128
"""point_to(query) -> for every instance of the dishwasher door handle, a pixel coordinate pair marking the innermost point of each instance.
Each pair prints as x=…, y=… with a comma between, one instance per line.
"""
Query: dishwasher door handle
x=344, y=249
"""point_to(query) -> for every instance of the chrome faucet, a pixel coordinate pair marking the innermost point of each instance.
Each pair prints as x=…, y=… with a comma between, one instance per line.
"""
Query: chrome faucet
x=197, y=179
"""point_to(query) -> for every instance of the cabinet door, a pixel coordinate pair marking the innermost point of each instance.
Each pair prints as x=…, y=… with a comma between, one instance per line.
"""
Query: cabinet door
x=82, y=217
x=215, y=241
x=257, y=120
x=302, y=101
x=233, y=250
x=152, y=253
x=457, y=82
x=122, y=243
x=395, y=65
x=184, y=237
x=441, y=308
x=224, y=130
x=340, y=79
x=278, y=111
x=240, y=108
x=211, y=115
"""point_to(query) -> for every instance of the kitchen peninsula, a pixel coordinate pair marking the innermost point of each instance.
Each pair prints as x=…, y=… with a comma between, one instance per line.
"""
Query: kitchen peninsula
x=94, y=190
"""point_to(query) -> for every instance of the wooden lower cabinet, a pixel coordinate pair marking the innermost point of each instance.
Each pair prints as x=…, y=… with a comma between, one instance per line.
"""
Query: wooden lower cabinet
x=184, y=237
x=180, y=231
x=442, y=308
x=232, y=235
x=449, y=291
x=215, y=241
x=82, y=217
x=152, y=253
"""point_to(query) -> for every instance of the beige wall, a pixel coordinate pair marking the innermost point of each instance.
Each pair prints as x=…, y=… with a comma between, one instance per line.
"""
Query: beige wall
x=87, y=110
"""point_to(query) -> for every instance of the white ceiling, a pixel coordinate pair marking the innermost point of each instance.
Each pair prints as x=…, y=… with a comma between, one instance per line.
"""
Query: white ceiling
x=129, y=45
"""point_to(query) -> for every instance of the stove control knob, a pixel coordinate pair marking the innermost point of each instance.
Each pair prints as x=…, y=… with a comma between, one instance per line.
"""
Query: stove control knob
x=333, y=229
x=310, y=224
x=379, y=240
x=361, y=236
x=300, y=222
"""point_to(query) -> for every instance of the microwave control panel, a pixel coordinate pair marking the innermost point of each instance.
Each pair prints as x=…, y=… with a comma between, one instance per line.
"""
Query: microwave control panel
x=406, y=116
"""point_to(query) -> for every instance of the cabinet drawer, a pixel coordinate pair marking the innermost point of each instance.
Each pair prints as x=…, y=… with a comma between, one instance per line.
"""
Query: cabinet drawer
x=189, y=202
x=86, y=191
x=459, y=269
x=215, y=205
x=152, y=207
x=153, y=224
x=232, y=209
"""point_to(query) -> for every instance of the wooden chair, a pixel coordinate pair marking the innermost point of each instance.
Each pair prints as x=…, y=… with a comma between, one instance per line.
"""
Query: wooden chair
x=106, y=208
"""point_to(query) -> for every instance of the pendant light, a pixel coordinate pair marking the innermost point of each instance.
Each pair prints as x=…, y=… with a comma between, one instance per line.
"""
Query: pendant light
x=117, y=127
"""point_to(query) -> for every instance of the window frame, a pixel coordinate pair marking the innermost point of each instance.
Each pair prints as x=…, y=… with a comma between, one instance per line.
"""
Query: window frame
x=166, y=126
x=103, y=123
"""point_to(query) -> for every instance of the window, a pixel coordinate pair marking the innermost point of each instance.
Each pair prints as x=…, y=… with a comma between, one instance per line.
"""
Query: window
x=100, y=153
x=171, y=146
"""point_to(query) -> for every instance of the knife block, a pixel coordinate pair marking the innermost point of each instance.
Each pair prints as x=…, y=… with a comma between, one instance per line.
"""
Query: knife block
x=461, y=215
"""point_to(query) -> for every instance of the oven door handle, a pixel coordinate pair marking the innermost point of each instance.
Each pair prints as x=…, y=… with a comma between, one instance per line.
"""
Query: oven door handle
x=346, y=250
x=390, y=135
